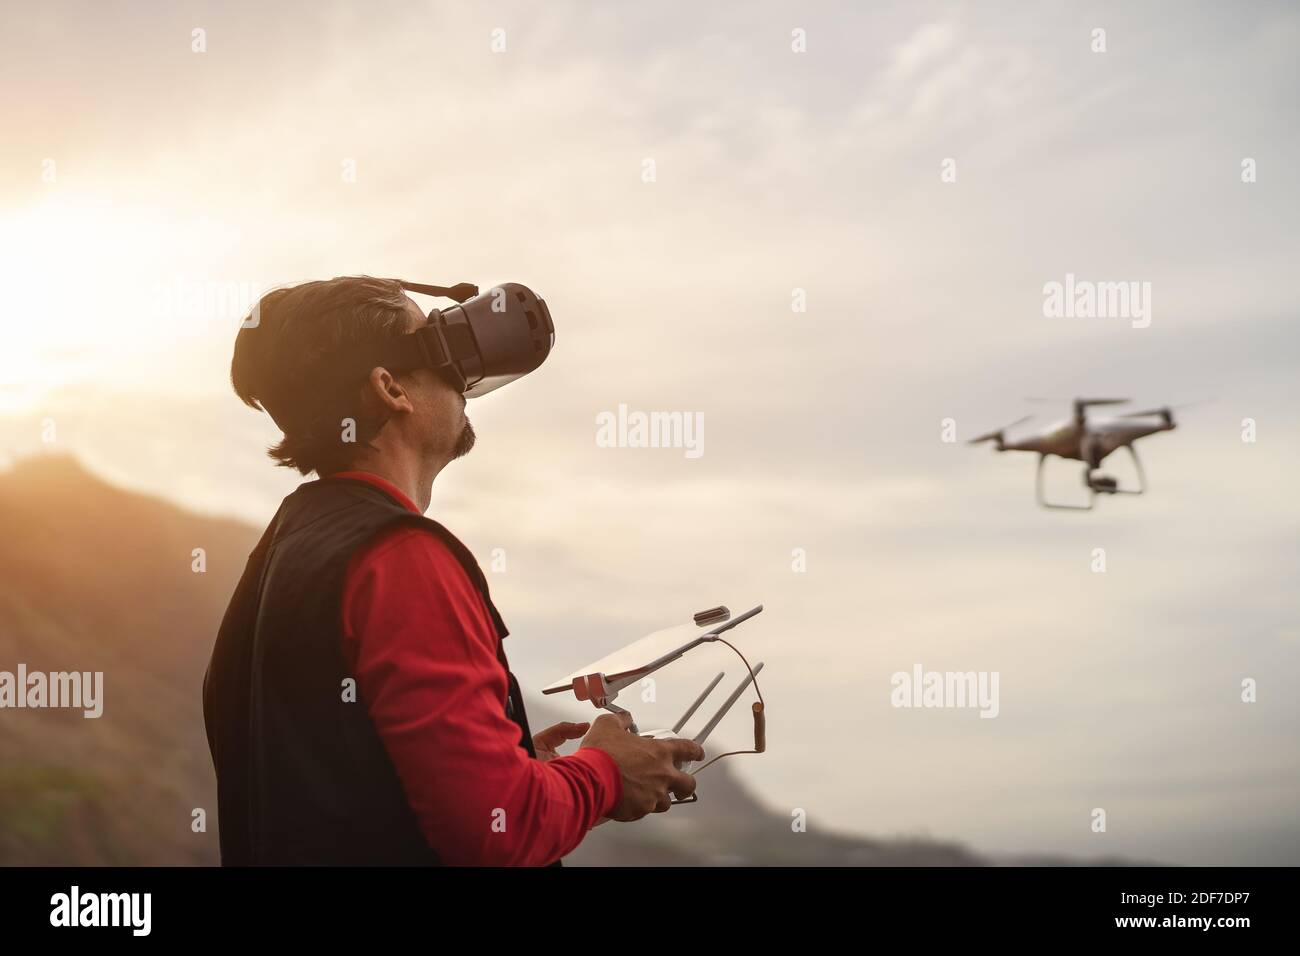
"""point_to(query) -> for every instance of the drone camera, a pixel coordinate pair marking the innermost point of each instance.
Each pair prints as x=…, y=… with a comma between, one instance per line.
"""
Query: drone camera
x=1103, y=483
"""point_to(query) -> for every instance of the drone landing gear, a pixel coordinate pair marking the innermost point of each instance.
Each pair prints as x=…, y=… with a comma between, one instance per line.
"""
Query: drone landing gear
x=1095, y=482
x=1057, y=506
x=1142, y=477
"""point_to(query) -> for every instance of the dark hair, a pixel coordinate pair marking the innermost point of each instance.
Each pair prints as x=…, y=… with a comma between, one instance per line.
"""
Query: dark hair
x=280, y=364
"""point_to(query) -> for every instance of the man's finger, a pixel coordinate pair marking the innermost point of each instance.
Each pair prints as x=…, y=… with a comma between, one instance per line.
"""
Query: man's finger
x=681, y=785
x=622, y=720
x=568, y=730
x=683, y=750
x=552, y=737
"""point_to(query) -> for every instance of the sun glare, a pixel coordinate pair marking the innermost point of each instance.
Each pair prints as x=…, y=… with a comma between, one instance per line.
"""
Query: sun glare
x=75, y=269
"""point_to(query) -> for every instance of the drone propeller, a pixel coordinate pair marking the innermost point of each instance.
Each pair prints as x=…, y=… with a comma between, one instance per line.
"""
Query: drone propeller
x=997, y=432
x=1079, y=401
x=1165, y=410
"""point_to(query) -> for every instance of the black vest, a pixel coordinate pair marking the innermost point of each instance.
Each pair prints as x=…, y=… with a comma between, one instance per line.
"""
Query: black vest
x=302, y=776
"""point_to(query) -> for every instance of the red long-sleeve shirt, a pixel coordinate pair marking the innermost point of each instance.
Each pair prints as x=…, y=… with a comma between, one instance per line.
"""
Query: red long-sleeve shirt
x=420, y=641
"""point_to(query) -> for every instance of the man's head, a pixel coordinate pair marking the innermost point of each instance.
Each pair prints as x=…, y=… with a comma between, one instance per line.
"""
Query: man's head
x=282, y=361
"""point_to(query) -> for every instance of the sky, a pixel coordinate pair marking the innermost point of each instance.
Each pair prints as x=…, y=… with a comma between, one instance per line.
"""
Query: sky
x=150, y=190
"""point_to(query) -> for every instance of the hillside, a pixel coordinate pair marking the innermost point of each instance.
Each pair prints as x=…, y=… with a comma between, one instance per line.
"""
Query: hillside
x=94, y=578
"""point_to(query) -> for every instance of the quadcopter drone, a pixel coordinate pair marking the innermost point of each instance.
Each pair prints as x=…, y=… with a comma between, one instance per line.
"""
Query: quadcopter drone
x=1089, y=441
x=601, y=681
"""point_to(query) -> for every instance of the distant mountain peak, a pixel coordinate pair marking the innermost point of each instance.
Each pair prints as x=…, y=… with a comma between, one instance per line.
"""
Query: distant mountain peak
x=47, y=463
x=49, y=474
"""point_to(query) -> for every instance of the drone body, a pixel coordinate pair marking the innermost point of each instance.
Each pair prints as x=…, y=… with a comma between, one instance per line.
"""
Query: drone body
x=1090, y=441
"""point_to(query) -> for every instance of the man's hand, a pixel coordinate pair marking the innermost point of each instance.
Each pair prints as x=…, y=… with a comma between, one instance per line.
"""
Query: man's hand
x=649, y=776
x=547, y=742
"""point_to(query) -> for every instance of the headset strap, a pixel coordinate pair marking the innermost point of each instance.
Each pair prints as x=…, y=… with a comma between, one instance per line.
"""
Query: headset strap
x=459, y=292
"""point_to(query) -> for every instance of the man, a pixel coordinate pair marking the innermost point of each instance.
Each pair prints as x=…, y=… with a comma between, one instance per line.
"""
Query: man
x=359, y=705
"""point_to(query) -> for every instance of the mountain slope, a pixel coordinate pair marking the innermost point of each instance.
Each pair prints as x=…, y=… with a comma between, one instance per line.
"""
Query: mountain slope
x=93, y=578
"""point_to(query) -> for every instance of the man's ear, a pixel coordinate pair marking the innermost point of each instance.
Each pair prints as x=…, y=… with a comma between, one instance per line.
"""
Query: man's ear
x=383, y=388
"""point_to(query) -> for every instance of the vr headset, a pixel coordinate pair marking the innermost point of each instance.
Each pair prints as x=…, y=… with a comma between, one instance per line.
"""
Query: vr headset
x=483, y=342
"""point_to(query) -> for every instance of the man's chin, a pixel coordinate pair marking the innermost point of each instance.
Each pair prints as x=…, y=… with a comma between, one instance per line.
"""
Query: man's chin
x=465, y=442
